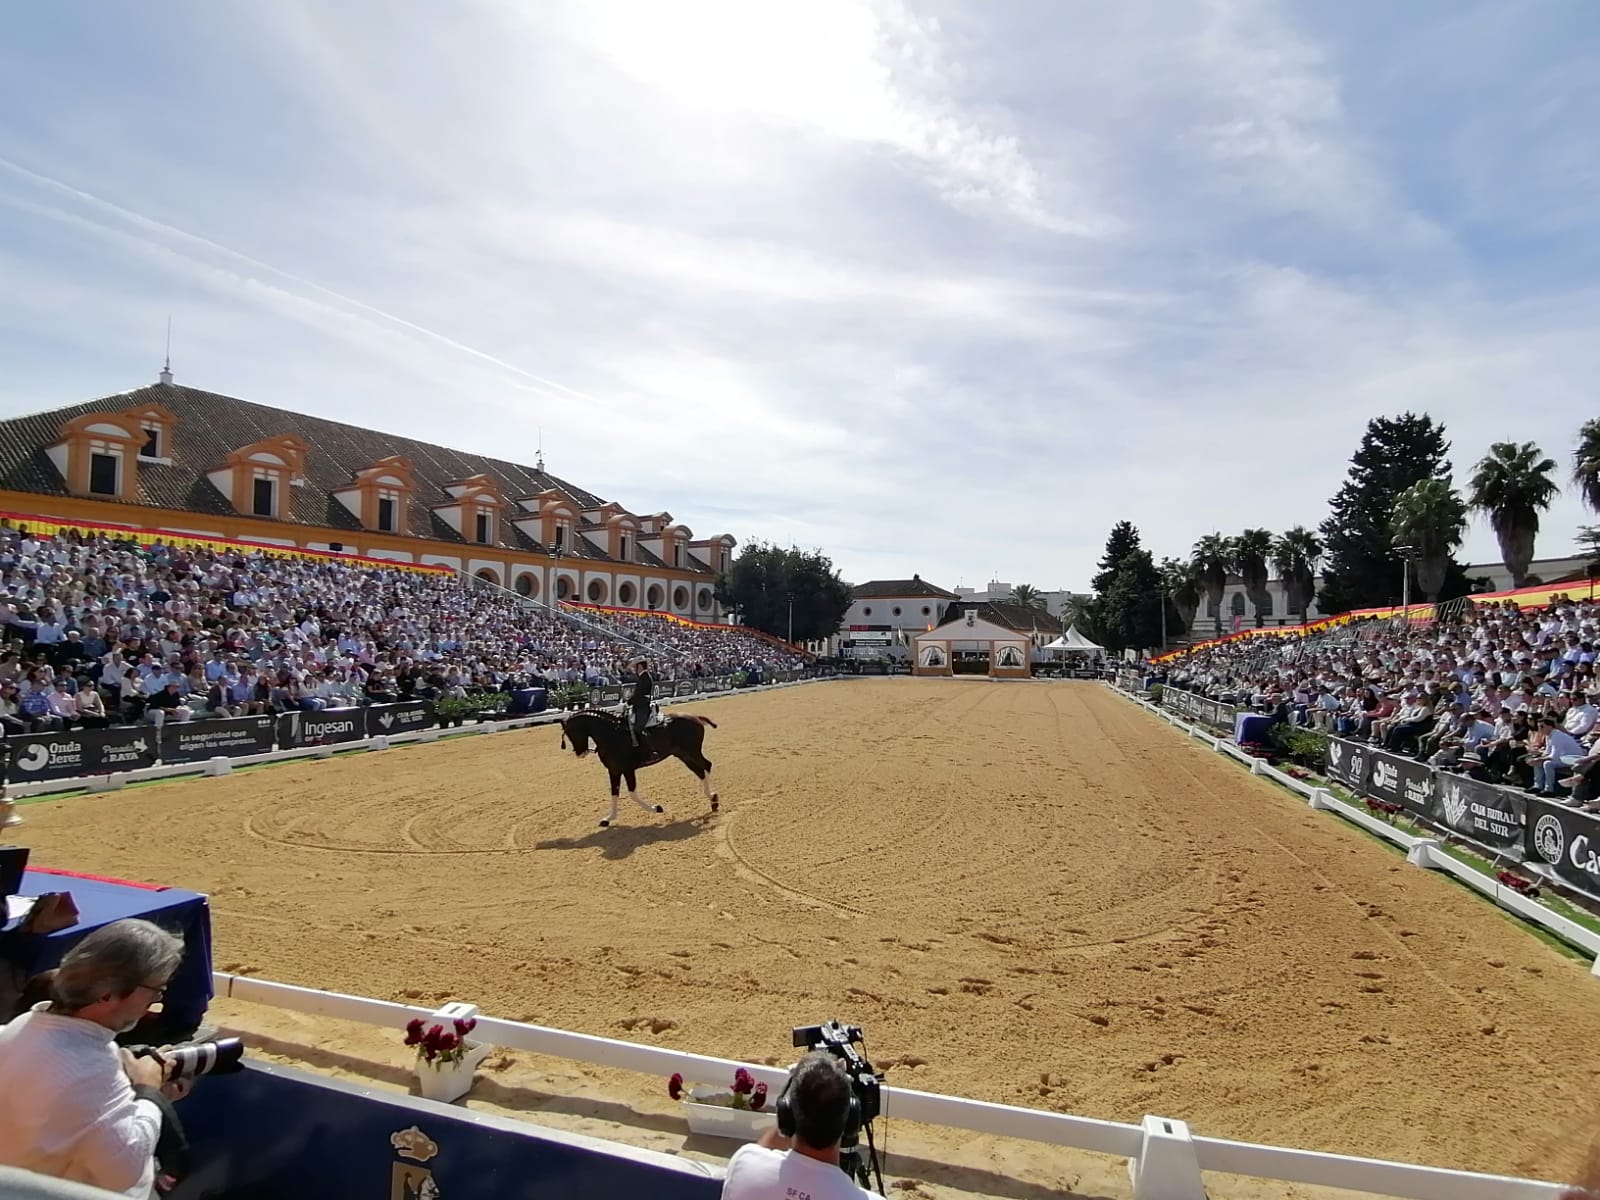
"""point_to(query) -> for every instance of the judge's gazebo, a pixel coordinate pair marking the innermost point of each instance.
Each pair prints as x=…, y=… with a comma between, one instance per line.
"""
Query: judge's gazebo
x=1001, y=636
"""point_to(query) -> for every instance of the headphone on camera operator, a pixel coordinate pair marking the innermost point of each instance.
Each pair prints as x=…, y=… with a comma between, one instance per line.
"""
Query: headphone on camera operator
x=818, y=1113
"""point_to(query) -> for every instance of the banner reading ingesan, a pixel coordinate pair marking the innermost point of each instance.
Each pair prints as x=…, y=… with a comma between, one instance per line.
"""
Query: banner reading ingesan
x=323, y=728
x=1481, y=811
x=197, y=741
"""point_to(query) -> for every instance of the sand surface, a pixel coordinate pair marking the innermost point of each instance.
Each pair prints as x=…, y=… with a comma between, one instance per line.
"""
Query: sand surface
x=1028, y=893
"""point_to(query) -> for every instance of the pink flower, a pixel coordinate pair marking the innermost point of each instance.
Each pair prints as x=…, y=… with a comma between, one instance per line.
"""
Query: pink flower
x=414, y=1031
x=448, y=1041
x=743, y=1082
x=758, y=1098
x=464, y=1027
x=675, y=1086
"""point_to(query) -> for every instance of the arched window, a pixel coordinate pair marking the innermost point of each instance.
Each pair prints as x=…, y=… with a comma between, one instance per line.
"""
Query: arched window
x=488, y=574
x=680, y=597
x=527, y=584
x=653, y=596
x=627, y=595
x=564, y=587
x=597, y=591
x=1237, y=606
x=704, y=601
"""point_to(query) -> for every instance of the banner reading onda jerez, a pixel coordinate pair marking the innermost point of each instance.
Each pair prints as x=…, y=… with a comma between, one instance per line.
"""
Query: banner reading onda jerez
x=36, y=757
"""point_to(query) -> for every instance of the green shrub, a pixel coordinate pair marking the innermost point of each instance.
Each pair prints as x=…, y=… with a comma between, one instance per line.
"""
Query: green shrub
x=1308, y=746
x=1155, y=693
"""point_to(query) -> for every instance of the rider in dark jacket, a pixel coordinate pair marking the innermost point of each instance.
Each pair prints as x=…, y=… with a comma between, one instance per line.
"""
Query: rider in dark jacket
x=643, y=694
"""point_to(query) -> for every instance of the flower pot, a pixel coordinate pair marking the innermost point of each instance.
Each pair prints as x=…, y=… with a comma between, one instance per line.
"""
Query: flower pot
x=452, y=1080
x=719, y=1120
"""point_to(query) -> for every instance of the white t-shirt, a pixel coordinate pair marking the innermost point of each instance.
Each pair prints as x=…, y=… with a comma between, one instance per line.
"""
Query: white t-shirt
x=756, y=1173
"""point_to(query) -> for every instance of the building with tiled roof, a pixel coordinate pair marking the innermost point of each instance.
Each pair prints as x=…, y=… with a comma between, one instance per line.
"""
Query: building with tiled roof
x=182, y=460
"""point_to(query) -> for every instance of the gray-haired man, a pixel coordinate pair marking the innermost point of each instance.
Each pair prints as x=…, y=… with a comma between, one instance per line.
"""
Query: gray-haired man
x=72, y=1104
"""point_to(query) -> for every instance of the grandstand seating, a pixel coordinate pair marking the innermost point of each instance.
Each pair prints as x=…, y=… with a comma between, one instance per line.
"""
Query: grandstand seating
x=87, y=613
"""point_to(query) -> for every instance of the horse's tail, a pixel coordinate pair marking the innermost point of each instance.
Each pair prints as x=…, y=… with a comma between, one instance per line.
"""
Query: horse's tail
x=698, y=719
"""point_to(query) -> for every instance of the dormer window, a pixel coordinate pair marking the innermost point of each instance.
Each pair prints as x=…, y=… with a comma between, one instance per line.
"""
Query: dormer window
x=256, y=478
x=622, y=548
x=388, y=506
x=152, y=442
x=264, y=494
x=105, y=463
x=561, y=537
x=677, y=555
x=485, y=528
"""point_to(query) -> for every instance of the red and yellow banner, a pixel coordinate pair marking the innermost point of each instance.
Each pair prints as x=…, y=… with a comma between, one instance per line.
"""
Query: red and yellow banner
x=684, y=621
x=1538, y=596
x=49, y=526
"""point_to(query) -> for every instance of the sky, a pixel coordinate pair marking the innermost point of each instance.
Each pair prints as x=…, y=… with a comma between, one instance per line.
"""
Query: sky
x=943, y=288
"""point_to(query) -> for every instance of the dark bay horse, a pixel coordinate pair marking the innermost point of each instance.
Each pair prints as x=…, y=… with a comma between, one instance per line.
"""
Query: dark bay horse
x=679, y=737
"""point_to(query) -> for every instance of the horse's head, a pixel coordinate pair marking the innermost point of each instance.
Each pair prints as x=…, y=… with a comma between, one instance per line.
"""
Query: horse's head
x=576, y=728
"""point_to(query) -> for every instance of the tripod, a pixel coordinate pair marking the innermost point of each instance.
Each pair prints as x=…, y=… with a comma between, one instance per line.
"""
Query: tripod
x=854, y=1164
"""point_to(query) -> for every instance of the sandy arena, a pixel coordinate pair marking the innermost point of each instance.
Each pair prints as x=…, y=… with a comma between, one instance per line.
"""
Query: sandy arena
x=1028, y=893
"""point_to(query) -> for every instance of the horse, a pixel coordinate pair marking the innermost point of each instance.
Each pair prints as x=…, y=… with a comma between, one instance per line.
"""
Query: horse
x=680, y=736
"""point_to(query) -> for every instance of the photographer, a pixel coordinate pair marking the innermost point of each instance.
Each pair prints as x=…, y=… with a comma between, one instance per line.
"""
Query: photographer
x=819, y=1094
x=72, y=1104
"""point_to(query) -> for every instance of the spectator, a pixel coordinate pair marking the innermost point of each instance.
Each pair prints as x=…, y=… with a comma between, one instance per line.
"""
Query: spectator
x=72, y=1105
x=806, y=1164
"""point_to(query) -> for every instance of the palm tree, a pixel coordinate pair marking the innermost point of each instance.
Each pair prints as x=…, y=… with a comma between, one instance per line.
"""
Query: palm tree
x=1251, y=550
x=1080, y=610
x=1211, y=559
x=1430, y=518
x=1295, y=556
x=1512, y=485
x=1586, y=463
x=1027, y=596
x=1183, y=589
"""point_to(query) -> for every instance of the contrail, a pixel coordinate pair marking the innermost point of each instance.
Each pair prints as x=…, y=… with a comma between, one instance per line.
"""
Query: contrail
x=171, y=231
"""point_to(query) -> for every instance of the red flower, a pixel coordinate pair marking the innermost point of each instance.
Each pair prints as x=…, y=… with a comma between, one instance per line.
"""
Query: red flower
x=464, y=1027
x=414, y=1031
x=675, y=1086
x=743, y=1082
x=448, y=1041
x=758, y=1098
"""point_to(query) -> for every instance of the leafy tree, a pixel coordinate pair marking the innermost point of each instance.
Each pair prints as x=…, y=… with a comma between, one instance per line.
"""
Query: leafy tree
x=1295, y=556
x=1028, y=596
x=1183, y=590
x=1127, y=604
x=1512, y=485
x=1586, y=463
x=1362, y=567
x=1124, y=540
x=1083, y=612
x=1250, y=552
x=1212, y=560
x=762, y=578
x=1430, y=518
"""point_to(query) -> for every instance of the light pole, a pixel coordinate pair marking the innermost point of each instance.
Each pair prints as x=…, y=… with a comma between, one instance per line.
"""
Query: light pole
x=791, y=618
x=1163, y=617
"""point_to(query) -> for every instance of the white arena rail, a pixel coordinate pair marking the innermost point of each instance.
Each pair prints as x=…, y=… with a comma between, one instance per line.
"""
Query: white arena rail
x=225, y=765
x=1420, y=851
x=1164, y=1161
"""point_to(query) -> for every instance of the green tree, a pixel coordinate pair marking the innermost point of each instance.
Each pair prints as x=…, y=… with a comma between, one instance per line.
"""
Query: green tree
x=1123, y=541
x=1212, y=559
x=1586, y=463
x=1362, y=567
x=1028, y=596
x=1183, y=590
x=1431, y=519
x=1295, y=556
x=759, y=584
x=1127, y=604
x=1250, y=552
x=1512, y=486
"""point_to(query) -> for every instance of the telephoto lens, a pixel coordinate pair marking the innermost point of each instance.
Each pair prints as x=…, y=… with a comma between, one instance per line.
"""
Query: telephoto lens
x=201, y=1058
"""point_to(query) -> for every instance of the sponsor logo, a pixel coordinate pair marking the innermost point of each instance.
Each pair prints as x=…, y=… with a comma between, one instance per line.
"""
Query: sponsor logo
x=1549, y=839
x=386, y=720
x=1335, y=754
x=1455, y=805
x=1385, y=775
x=1419, y=791
x=327, y=728
x=138, y=748
x=1583, y=857
x=37, y=757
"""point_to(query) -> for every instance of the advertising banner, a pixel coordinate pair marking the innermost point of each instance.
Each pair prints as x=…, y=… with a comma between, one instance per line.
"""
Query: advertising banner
x=385, y=720
x=40, y=756
x=233, y=737
x=331, y=725
x=1567, y=840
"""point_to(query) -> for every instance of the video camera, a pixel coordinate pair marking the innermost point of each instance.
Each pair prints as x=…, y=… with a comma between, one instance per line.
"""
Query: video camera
x=865, y=1083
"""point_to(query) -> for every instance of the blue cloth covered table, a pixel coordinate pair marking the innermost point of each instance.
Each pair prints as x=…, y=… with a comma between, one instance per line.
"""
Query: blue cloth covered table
x=1251, y=727
x=102, y=901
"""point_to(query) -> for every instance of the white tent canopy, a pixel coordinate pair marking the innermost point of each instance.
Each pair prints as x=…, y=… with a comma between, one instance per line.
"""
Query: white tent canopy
x=1072, y=640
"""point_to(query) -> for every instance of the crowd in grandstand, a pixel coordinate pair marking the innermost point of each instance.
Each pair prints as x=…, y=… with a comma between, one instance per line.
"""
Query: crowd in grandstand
x=100, y=631
x=1499, y=693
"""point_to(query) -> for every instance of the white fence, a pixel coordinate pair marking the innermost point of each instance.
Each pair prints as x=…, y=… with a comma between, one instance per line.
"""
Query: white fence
x=1165, y=1161
x=223, y=766
x=1420, y=851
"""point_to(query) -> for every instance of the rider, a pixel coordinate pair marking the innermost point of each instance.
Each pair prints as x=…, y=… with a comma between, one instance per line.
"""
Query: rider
x=643, y=689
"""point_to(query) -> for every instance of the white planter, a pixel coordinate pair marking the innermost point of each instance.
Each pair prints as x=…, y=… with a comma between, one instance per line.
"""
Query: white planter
x=453, y=1080
x=719, y=1120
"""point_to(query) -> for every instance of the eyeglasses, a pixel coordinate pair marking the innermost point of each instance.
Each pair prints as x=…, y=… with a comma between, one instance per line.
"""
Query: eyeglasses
x=156, y=991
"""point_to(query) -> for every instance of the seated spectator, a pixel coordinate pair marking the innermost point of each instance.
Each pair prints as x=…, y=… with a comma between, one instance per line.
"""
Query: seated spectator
x=167, y=705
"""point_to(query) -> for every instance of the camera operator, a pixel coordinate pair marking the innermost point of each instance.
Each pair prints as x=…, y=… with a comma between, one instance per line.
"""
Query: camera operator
x=818, y=1092
x=72, y=1104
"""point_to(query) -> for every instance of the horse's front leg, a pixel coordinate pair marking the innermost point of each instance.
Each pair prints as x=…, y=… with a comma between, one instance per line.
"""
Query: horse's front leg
x=616, y=782
x=633, y=794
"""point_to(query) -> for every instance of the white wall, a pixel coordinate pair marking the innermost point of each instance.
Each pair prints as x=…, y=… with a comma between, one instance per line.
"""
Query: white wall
x=882, y=612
